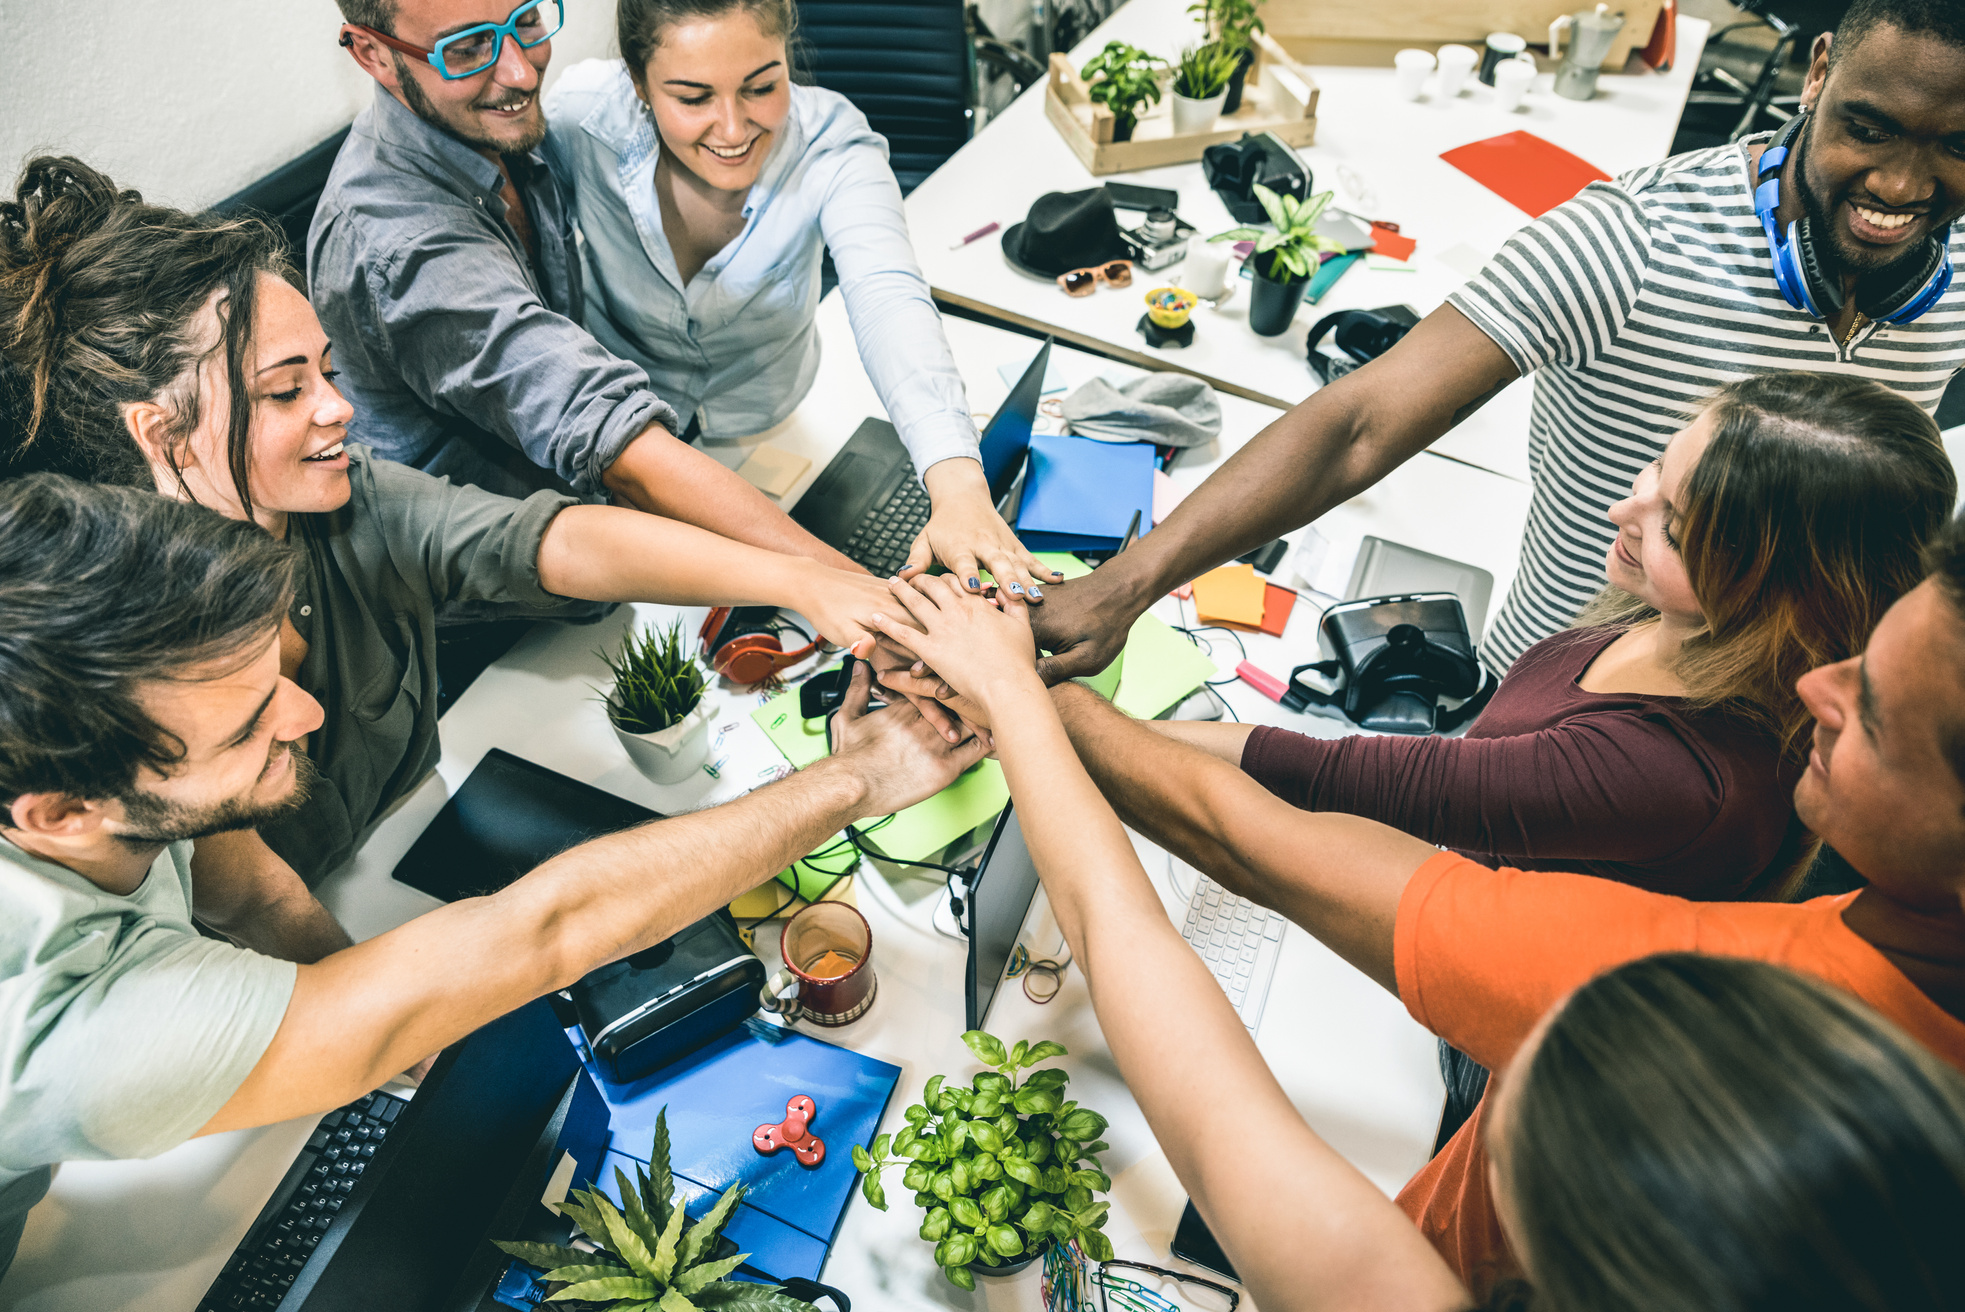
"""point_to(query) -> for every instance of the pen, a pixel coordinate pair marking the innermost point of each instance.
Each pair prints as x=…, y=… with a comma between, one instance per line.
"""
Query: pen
x=983, y=231
x=1132, y=534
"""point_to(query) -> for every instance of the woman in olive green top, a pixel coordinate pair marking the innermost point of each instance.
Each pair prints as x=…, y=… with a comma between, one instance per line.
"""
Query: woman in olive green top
x=150, y=345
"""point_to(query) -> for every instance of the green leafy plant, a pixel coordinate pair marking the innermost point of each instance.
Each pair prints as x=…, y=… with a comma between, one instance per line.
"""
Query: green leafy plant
x=1204, y=71
x=1232, y=24
x=1002, y=1168
x=1123, y=78
x=647, y=1261
x=1293, y=248
x=655, y=682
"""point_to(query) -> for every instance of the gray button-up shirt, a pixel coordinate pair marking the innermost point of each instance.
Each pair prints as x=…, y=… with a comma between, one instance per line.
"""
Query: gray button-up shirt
x=461, y=354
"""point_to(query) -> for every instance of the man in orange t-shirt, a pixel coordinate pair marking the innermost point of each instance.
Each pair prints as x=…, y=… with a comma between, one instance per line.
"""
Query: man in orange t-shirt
x=1479, y=955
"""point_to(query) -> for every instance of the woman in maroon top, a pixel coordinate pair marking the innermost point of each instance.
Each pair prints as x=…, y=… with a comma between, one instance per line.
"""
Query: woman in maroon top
x=1659, y=742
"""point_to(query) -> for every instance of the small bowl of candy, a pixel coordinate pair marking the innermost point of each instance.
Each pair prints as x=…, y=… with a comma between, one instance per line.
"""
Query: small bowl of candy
x=1169, y=307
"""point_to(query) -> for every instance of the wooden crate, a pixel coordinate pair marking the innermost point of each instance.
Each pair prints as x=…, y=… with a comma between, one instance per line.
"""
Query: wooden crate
x=1280, y=97
x=1369, y=31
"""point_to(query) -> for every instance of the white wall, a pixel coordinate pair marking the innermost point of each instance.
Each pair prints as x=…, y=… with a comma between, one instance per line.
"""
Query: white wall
x=190, y=102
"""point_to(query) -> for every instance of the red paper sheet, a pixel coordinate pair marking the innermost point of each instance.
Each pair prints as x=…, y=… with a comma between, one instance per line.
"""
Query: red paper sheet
x=1392, y=245
x=1277, y=603
x=1524, y=170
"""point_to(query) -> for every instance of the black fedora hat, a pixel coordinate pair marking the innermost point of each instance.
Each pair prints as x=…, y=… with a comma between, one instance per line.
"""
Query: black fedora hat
x=1065, y=230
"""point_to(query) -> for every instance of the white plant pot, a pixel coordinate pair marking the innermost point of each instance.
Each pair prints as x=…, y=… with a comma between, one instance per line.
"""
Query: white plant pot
x=1194, y=116
x=673, y=754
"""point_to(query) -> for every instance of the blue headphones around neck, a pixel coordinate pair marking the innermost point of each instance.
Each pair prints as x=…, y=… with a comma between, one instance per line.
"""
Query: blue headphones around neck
x=1799, y=273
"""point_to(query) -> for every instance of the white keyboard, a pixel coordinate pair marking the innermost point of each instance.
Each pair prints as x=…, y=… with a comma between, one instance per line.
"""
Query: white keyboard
x=1239, y=940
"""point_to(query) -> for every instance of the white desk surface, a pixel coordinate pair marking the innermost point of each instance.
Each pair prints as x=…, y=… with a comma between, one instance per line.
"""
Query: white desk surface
x=1391, y=147
x=151, y=1235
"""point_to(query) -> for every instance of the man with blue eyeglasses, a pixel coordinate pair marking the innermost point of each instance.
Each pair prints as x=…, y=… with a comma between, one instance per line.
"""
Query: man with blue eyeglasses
x=442, y=262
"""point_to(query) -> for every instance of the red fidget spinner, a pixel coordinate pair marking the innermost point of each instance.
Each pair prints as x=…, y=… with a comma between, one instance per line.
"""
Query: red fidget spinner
x=792, y=1133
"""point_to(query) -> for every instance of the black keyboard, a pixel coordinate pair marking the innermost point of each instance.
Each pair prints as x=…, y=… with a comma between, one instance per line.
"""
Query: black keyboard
x=263, y=1267
x=882, y=540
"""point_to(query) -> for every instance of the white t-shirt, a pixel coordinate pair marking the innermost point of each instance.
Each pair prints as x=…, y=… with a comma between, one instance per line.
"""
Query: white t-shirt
x=122, y=1030
x=1630, y=303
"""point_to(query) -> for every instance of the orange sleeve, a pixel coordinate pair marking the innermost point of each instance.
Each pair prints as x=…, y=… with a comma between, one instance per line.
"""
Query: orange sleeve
x=1481, y=954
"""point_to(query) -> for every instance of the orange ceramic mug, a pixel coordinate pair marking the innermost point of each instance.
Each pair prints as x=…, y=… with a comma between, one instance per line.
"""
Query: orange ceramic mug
x=828, y=952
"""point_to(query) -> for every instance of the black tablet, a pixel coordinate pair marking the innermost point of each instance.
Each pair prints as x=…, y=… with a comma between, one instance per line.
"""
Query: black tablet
x=509, y=816
x=999, y=899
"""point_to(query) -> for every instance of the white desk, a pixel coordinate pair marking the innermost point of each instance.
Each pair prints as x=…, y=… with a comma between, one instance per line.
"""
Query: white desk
x=1365, y=132
x=152, y=1235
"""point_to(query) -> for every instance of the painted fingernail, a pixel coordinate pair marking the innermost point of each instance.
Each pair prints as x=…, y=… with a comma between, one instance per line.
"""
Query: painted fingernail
x=1036, y=592
x=1057, y=573
x=974, y=582
x=1016, y=589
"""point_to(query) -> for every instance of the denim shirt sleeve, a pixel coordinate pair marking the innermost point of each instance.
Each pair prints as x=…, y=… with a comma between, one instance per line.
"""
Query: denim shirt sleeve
x=471, y=337
x=895, y=323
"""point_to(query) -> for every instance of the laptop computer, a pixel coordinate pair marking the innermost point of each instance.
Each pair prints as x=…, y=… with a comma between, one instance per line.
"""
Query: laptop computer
x=868, y=503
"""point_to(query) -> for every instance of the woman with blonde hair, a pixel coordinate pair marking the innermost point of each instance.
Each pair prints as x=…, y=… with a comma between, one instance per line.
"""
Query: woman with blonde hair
x=1658, y=741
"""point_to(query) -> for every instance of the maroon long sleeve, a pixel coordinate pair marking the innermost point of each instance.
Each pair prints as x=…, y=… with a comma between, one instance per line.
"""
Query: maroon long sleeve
x=1635, y=788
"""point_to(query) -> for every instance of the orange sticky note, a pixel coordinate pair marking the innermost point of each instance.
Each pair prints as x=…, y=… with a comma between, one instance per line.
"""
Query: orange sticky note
x=1230, y=595
x=1392, y=245
x=1277, y=603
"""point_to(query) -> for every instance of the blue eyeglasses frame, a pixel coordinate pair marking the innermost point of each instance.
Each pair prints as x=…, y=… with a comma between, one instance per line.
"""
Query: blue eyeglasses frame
x=435, y=56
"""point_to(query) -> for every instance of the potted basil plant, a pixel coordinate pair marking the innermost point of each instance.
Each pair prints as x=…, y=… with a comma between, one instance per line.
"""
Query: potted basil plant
x=1285, y=259
x=1200, y=87
x=656, y=705
x=1125, y=79
x=1003, y=1168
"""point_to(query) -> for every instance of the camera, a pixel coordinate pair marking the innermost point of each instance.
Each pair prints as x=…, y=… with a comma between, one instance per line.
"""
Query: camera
x=1161, y=240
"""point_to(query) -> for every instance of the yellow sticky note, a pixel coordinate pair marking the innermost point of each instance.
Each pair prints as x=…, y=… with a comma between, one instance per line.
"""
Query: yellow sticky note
x=1229, y=595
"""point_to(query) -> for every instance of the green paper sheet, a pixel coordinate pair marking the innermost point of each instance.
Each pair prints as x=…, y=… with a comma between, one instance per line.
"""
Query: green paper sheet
x=1162, y=666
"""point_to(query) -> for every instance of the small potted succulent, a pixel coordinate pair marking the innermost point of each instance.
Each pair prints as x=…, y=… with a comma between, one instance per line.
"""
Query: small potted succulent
x=1285, y=259
x=1003, y=1169
x=1232, y=25
x=656, y=704
x=1201, y=86
x=646, y=1261
x=1124, y=79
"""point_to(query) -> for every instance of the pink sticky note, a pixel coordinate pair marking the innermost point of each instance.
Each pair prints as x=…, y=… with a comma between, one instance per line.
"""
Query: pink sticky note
x=1166, y=495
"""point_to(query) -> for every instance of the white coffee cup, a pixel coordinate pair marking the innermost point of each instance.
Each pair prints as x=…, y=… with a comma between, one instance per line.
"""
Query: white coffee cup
x=1511, y=79
x=1205, y=271
x=1409, y=68
x=1456, y=65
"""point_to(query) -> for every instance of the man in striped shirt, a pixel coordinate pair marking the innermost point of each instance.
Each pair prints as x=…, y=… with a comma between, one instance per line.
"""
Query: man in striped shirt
x=1629, y=303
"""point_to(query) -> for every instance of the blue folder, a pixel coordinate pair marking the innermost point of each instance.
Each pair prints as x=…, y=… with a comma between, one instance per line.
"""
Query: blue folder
x=718, y=1096
x=1081, y=495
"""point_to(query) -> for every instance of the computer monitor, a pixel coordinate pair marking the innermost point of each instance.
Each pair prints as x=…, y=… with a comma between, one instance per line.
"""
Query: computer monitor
x=1006, y=438
x=465, y=1164
x=999, y=898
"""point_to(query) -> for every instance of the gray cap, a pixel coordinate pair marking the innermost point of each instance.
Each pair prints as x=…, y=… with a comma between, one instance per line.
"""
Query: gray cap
x=1166, y=409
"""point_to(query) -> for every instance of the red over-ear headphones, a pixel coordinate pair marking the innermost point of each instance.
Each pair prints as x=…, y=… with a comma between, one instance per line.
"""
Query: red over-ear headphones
x=741, y=643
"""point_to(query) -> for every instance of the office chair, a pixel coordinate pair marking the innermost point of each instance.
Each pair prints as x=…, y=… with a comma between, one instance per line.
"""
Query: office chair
x=906, y=64
x=287, y=196
x=1793, y=22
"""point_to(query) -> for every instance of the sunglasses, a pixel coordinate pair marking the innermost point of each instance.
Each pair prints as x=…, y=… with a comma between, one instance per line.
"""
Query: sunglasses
x=473, y=50
x=1083, y=282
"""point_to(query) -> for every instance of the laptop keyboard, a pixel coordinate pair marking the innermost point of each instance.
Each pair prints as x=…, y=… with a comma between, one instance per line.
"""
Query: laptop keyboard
x=882, y=540
x=264, y=1266
x=1239, y=940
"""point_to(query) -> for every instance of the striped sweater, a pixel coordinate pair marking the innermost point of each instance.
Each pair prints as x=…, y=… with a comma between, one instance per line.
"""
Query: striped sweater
x=1630, y=303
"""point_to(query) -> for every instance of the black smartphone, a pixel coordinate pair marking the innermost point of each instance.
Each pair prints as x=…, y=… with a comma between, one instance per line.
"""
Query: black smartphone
x=1128, y=197
x=1194, y=1242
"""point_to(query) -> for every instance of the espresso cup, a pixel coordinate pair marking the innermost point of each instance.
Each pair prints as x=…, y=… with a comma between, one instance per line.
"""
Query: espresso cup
x=1499, y=46
x=1457, y=64
x=828, y=954
x=1410, y=68
x=1511, y=79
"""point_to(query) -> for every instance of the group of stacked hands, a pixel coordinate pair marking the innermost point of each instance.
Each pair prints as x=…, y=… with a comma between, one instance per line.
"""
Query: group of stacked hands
x=206, y=691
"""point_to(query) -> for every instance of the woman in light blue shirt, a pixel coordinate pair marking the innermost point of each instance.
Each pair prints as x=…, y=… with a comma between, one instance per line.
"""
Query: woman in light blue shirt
x=707, y=187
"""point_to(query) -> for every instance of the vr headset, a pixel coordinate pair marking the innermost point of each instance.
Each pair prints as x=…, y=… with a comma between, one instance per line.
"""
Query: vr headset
x=742, y=643
x=1357, y=337
x=1233, y=168
x=1404, y=664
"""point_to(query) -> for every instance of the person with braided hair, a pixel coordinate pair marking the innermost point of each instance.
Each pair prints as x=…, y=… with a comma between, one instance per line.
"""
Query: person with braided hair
x=150, y=347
